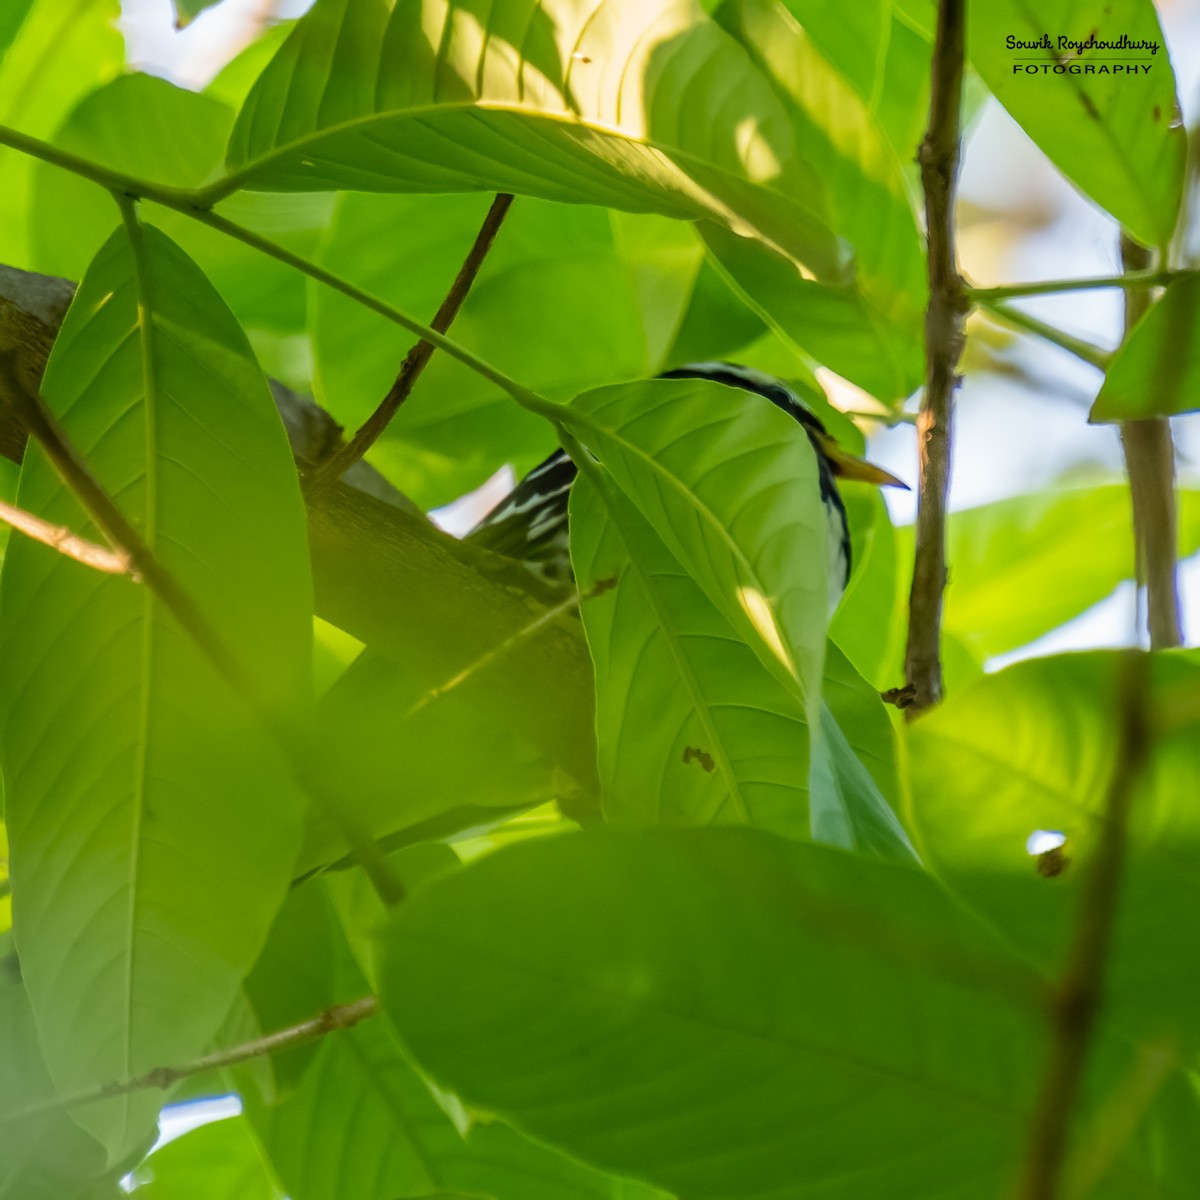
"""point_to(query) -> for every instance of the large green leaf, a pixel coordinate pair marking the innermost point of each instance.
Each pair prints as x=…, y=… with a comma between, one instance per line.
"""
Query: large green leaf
x=730, y=1014
x=1156, y=370
x=692, y=729
x=152, y=826
x=873, y=200
x=553, y=305
x=186, y=11
x=1034, y=748
x=362, y=1122
x=611, y=104
x=219, y=1159
x=729, y=482
x=62, y=52
x=882, y=55
x=1112, y=132
x=1023, y=566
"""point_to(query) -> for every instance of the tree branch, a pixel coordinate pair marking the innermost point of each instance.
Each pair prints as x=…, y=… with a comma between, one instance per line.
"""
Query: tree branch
x=414, y=362
x=329, y=1020
x=1053, y=287
x=1150, y=464
x=58, y=537
x=1076, y=1000
x=944, y=335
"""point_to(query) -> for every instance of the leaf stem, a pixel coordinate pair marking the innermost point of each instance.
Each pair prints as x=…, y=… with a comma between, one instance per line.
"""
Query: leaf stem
x=329, y=1020
x=60, y=538
x=939, y=157
x=1076, y=1000
x=1052, y=287
x=1088, y=352
x=414, y=363
x=1150, y=465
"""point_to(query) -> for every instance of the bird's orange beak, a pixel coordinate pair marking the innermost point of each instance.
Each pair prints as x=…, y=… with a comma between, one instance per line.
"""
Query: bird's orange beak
x=847, y=466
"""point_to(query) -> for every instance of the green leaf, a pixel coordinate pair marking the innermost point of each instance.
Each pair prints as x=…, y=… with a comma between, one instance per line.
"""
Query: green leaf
x=1023, y=566
x=692, y=729
x=689, y=1044
x=218, y=1159
x=881, y=55
x=364, y=1123
x=872, y=199
x=134, y=775
x=724, y=1012
x=612, y=107
x=835, y=325
x=150, y=129
x=1114, y=135
x=61, y=53
x=1156, y=370
x=46, y=1157
x=417, y=757
x=553, y=305
x=1033, y=748
x=730, y=485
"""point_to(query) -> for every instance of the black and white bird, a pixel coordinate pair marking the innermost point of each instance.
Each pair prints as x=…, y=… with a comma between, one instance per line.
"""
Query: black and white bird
x=530, y=524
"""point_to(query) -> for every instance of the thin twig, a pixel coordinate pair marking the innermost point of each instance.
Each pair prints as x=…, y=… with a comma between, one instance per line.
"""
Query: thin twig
x=60, y=538
x=1052, y=287
x=372, y=428
x=1088, y=352
x=1076, y=1001
x=1150, y=464
x=944, y=335
x=329, y=1020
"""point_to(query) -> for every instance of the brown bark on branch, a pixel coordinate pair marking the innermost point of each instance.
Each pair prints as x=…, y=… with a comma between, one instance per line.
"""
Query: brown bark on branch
x=944, y=334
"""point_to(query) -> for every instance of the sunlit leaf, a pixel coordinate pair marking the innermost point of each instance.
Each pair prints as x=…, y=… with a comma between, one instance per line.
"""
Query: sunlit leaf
x=611, y=106
x=724, y=479
x=692, y=729
x=162, y=785
x=882, y=54
x=1156, y=370
x=872, y=197
x=1107, y=119
x=12, y=17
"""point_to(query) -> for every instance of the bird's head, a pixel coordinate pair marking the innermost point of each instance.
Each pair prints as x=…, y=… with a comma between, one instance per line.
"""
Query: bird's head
x=839, y=462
